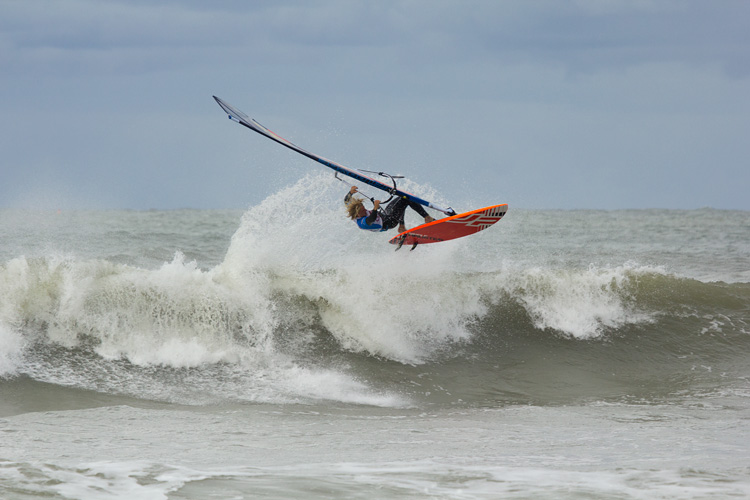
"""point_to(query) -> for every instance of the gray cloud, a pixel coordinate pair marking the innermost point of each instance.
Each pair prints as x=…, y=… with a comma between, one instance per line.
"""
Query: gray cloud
x=546, y=104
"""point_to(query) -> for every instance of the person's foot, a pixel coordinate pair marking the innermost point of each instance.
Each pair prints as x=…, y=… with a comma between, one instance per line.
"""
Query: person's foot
x=401, y=228
x=429, y=219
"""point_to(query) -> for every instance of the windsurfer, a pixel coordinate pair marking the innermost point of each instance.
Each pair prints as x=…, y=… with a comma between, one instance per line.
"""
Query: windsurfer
x=381, y=220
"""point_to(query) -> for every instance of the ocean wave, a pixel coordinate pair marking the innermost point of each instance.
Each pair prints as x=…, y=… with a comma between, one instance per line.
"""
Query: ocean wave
x=304, y=306
x=179, y=333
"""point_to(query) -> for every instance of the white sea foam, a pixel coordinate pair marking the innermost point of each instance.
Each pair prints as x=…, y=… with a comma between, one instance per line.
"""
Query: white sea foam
x=11, y=347
x=575, y=302
x=394, y=305
x=174, y=317
x=97, y=480
x=430, y=478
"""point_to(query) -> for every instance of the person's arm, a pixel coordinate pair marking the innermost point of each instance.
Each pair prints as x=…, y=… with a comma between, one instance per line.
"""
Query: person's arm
x=349, y=194
x=374, y=214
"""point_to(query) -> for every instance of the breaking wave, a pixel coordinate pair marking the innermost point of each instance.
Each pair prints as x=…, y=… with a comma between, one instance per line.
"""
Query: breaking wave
x=305, y=307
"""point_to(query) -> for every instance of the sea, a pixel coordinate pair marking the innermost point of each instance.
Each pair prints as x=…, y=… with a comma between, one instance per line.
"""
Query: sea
x=279, y=352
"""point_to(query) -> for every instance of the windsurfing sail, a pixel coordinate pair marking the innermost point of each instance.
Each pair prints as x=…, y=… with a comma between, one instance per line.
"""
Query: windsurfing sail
x=241, y=118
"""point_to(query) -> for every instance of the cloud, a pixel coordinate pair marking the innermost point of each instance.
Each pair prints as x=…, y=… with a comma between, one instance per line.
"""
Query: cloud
x=535, y=96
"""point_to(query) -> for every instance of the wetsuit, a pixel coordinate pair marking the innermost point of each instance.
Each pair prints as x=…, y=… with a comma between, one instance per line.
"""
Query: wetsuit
x=390, y=217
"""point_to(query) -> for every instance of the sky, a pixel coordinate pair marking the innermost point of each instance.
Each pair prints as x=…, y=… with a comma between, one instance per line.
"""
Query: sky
x=581, y=104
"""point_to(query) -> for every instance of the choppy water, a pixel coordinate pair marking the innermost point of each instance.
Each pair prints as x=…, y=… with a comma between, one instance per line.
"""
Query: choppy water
x=282, y=353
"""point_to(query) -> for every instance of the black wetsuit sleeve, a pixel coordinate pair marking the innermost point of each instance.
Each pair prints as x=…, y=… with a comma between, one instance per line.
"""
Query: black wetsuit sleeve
x=347, y=197
x=371, y=218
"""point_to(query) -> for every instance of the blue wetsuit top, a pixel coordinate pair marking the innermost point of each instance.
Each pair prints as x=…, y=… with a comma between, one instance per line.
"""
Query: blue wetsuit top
x=371, y=222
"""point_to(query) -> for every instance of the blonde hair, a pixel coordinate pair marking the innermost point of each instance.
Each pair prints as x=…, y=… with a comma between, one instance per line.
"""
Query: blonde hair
x=352, y=208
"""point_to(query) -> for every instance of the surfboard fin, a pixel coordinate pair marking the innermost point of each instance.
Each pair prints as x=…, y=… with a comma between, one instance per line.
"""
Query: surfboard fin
x=401, y=241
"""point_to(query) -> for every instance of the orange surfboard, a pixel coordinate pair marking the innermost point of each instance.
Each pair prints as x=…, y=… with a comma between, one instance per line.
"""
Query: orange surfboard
x=450, y=228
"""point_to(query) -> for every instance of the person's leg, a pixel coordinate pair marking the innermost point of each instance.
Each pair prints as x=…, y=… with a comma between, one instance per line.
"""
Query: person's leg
x=420, y=210
x=394, y=212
